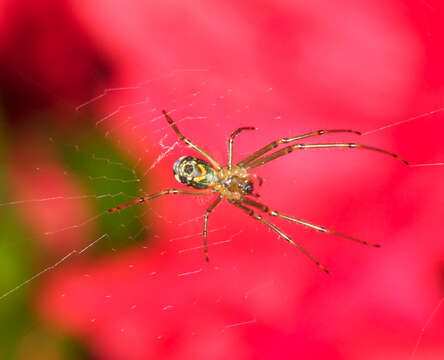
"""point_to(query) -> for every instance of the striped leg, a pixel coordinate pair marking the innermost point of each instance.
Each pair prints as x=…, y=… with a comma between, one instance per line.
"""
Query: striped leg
x=267, y=210
x=207, y=213
x=189, y=143
x=153, y=196
x=279, y=232
x=289, y=149
x=230, y=143
x=275, y=144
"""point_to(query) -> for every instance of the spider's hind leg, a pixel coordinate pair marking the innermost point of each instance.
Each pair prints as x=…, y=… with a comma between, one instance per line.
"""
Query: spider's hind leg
x=207, y=213
x=189, y=142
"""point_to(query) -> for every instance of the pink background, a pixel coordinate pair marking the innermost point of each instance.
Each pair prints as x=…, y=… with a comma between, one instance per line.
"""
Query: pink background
x=286, y=68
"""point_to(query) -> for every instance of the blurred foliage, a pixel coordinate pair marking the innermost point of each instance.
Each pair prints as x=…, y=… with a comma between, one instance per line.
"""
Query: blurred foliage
x=22, y=334
x=104, y=171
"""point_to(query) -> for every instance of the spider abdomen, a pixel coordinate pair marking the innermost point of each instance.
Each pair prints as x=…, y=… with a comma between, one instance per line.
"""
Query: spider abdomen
x=194, y=172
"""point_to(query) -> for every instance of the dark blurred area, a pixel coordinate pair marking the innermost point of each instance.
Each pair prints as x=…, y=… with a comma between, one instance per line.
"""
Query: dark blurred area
x=48, y=66
x=48, y=63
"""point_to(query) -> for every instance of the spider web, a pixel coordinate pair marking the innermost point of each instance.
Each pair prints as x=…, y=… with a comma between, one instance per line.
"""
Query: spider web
x=137, y=163
x=139, y=275
x=152, y=147
x=114, y=177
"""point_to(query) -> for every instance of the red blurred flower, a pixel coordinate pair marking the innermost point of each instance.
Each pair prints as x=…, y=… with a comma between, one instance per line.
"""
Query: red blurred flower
x=286, y=69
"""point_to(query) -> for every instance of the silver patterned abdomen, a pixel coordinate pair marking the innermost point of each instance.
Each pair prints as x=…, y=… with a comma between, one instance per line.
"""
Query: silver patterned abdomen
x=194, y=172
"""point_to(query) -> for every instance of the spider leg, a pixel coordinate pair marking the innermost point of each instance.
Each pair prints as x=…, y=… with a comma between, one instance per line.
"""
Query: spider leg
x=189, y=142
x=267, y=210
x=279, y=232
x=152, y=196
x=275, y=144
x=289, y=149
x=258, y=178
x=207, y=213
x=230, y=143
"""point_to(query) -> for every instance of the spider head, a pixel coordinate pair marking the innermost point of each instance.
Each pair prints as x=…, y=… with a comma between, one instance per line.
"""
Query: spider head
x=194, y=172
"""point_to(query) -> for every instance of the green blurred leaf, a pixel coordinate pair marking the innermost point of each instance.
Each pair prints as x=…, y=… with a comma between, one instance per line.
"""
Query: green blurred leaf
x=21, y=329
x=104, y=171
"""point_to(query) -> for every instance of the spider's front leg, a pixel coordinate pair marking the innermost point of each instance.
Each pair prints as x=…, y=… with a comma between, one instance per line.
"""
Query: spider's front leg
x=267, y=210
x=278, y=231
x=263, y=160
x=230, y=143
x=276, y=143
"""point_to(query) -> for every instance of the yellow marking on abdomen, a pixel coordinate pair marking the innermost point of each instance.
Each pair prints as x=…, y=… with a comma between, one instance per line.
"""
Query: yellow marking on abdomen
x=204, y=173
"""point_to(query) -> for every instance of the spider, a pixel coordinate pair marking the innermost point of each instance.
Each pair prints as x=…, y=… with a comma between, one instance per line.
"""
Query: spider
x=236, y=183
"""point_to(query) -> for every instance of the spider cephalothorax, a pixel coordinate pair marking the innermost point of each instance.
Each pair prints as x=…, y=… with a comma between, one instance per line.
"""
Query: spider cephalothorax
x=235, y=182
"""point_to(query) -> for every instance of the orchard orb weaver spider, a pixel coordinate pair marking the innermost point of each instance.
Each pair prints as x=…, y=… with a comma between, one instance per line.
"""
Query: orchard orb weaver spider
x=235, y=183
